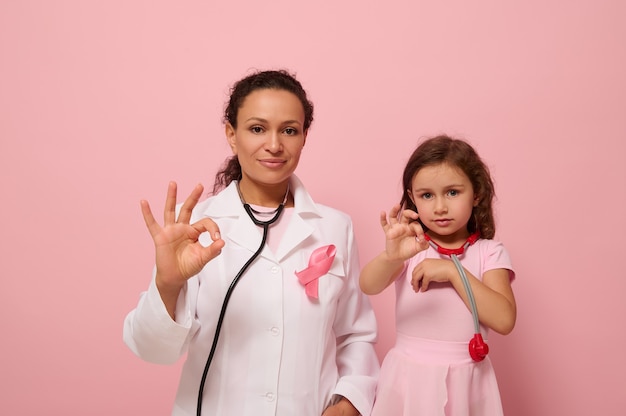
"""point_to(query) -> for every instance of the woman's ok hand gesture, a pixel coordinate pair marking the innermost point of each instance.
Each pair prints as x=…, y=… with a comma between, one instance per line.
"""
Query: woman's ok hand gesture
x=179, y=254
x=404, y=236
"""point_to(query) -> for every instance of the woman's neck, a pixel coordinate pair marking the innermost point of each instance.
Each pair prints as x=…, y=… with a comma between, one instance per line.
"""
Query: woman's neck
x=264, y=196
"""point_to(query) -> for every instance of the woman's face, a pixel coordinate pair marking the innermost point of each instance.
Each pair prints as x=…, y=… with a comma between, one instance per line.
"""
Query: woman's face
x=269, y=137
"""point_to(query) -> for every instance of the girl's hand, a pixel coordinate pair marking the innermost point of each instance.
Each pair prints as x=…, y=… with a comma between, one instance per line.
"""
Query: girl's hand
x=404, y=236
x=493, y=295
x=432, y=270
x=179, y=255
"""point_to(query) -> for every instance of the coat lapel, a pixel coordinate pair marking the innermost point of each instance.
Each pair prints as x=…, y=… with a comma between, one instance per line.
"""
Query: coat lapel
x=248, y=235
x=243, y=232
x=297, y=231
x=300, y=228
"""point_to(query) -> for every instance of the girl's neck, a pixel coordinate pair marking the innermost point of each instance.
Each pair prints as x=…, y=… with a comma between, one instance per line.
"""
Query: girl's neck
x=451, y=241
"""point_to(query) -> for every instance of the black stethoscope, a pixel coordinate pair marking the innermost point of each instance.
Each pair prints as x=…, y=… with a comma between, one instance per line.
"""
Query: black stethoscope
x=478, y=348
x=265, y=225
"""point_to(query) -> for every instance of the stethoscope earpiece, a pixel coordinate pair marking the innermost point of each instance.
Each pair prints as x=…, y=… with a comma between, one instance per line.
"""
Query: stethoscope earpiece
x=478, y=348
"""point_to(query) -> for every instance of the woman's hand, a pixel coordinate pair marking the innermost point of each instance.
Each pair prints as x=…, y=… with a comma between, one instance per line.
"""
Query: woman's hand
x=179, y=254
x=404, y=236
x=342, y=408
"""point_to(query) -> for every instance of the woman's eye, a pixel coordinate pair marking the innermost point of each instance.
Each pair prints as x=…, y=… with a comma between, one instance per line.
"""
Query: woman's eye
x=256, y=129
x=290, y=131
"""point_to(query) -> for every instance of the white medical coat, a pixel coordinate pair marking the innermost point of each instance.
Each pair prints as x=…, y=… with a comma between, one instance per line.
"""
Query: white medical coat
x=279, y=352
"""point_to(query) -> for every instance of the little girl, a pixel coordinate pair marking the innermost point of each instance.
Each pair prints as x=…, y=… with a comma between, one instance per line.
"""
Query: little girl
x=447, y=204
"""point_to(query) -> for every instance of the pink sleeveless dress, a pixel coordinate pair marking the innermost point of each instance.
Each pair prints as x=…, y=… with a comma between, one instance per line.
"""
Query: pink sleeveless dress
x=429, y=371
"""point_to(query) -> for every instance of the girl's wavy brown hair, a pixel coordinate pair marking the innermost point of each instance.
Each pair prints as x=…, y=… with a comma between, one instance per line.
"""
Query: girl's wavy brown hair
x=460, y=154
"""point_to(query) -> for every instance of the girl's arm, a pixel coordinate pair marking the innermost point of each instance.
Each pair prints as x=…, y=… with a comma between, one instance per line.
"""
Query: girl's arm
x=404, y=238
x=494, y=297
x=495, y=301
x=379, y=273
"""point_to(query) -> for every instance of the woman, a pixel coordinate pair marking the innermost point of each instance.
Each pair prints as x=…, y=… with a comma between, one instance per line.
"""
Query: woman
x=258, y=284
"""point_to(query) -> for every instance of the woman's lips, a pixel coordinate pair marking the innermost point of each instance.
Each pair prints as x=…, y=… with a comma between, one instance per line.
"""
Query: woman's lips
x=272, y=163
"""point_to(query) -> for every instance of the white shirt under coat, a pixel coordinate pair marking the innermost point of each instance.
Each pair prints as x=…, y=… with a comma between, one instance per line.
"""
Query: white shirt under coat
x=280, y=352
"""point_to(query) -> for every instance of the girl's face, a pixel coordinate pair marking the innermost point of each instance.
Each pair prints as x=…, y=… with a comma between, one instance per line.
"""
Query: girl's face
x=444, y=198
x=268, y=139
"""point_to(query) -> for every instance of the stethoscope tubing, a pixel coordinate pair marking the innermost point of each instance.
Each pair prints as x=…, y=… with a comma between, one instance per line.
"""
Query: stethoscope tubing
x=468, y=291
x=478, y=349
x=231, y=288
x=459, y=267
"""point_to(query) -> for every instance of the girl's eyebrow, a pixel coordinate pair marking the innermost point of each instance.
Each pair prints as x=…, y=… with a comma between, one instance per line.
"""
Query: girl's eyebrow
x=445, y=187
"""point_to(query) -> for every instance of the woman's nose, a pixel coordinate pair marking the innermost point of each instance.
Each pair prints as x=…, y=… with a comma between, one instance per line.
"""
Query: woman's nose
x=273, y=143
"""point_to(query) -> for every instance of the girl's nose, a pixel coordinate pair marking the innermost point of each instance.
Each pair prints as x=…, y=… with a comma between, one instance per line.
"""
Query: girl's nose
x=440, y=206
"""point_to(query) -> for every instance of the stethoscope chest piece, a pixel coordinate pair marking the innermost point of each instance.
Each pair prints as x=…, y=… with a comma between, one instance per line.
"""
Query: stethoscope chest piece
x=478, y=348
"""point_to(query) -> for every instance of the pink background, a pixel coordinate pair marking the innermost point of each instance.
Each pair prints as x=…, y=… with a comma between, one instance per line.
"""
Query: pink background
x=102, y=103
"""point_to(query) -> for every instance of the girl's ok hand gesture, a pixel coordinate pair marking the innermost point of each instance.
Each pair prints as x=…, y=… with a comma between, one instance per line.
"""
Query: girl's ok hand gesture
x=179, y=254
x=403, y=233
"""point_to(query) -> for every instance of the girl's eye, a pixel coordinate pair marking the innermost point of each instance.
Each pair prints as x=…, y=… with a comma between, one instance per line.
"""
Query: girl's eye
x=290, y=131
x=453, y=192
x=427, y=195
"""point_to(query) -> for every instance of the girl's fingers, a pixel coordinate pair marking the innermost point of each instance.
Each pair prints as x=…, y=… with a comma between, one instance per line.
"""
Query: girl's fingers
x=417, y=280
x=383, y=220
x=408, y=216
x=415, y=283
x=418, y=231
x=185, y=212
x=393, y=213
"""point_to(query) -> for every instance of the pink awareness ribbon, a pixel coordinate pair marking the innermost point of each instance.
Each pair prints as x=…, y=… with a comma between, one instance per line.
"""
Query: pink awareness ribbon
x=319, y=264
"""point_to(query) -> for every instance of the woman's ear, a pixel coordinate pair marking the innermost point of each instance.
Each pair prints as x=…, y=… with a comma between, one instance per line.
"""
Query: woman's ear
x=229, y=130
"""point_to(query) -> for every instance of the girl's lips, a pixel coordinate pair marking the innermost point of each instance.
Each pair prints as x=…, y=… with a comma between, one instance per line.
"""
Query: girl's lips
x=443, y=222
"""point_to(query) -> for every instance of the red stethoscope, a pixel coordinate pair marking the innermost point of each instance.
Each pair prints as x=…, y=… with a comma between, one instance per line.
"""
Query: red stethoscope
x=478, y=348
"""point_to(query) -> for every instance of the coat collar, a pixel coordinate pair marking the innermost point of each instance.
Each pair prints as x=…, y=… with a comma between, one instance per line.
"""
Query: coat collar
x=246, y=234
